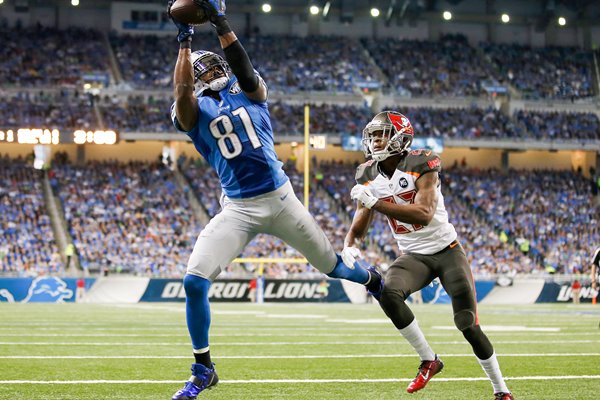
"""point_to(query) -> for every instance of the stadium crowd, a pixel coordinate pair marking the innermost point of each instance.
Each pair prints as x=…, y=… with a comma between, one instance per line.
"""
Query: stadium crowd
x=550, y=215
x=37, y=56
x=449, y=66
x=136, y=114
x=544, y=73
x=27, y=245
x=462, y=123
x=556, y=125
x=131, y=218
x=67, y=109
x=62, y=109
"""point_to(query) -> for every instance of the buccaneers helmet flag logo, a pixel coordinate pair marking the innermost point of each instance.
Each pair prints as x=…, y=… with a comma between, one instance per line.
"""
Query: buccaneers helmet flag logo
x=401, y=123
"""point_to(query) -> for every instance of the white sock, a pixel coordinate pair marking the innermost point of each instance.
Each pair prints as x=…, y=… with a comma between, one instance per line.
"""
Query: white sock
x=492, y=370
x=414, y=335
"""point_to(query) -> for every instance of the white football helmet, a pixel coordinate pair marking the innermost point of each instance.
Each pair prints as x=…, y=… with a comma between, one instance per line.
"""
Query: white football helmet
x=396, y=130
x=203, y=62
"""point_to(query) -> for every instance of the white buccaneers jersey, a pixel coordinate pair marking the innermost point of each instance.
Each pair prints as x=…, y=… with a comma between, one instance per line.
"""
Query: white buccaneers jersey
x=401, y=189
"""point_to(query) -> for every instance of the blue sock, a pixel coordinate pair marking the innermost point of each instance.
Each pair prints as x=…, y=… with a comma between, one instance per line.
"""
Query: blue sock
x=197, y=309
x=341, y=271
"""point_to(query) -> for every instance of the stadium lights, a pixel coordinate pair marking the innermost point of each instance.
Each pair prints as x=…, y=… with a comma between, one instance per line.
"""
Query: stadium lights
x=447, y=15
x=505, y=18
x=314, y=10
x=266, y=8
x=1, y=1
x=74, y=3
x=562, y=21
x=374, y=12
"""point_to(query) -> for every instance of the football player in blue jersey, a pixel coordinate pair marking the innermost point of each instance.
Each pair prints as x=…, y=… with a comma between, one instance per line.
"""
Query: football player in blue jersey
x=228, y=120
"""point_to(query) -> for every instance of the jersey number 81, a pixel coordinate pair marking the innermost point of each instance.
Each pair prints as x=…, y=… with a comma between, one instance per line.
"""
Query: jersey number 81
x=228, y=141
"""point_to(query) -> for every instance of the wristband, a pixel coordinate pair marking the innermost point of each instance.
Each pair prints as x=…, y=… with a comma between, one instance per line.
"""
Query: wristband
x=221, y=25
x=186, y=44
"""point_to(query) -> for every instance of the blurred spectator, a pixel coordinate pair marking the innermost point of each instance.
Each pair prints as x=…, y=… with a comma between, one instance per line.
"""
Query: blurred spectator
x=127, y=217
x=39, y=56
x=27, y=245
x=559, y=125
x=449, y=67
x=544, y=73
x=61, y=110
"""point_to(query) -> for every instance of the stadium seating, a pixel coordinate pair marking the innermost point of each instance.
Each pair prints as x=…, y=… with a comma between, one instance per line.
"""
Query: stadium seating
x=544, y=73
x=37, y=57
x=27, y=247
x=129, y=218
x=462, y=123
x=553, y=210
x=449, y=67
x=48, y=110
x=137, y=114
x=561, y=126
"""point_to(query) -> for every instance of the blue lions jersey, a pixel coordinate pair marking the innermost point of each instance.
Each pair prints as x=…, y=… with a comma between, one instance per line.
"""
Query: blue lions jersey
x=235, y=137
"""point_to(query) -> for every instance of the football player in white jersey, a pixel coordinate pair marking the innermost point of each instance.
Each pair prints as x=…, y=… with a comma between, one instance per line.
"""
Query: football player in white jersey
x=404, y=185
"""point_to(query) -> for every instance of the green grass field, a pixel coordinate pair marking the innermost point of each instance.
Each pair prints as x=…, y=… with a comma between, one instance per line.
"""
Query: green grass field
x=301, y=352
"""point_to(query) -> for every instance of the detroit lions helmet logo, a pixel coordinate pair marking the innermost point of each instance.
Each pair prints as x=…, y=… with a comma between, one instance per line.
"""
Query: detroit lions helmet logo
x=235, y=88
x=48, y=290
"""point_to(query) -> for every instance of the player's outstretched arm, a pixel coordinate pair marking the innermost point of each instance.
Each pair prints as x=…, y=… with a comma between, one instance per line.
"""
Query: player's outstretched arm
x=360, y=226
x=235, y=54
x=186, y=104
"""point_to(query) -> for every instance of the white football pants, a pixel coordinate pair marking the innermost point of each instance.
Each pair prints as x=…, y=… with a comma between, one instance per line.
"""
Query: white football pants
x=278, y=213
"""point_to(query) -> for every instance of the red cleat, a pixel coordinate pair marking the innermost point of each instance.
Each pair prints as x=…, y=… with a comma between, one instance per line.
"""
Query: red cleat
x=427, y=370
x=503, y=396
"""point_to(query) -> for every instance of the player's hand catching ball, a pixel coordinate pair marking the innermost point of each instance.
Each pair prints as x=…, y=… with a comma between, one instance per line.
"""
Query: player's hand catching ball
x=349, y=256
x=186, y=31
x=214, y=8
x=364, y=195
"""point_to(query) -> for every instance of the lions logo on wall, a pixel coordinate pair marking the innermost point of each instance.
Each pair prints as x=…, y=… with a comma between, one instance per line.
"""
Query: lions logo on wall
x=48, y=290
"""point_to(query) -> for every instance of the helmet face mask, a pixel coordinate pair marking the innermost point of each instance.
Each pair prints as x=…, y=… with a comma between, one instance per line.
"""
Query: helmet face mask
x=388, y=134
x=213, y=67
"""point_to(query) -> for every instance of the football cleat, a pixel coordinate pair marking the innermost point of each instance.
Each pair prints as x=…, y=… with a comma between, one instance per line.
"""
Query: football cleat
x=503, y=396
x=202, y=378
x=427, y=370
x=377, y=293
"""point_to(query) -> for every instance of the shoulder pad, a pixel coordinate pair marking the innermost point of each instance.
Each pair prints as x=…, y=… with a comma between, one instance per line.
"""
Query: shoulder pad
x=366, y=172
x=422, y=161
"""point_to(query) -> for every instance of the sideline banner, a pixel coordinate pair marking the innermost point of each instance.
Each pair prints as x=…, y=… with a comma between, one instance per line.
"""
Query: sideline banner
x=562, y=293
x=436, y=294
x=238, y=290
x=45, y=289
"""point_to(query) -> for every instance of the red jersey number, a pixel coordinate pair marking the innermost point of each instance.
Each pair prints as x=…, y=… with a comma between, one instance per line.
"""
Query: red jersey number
x=397, y=226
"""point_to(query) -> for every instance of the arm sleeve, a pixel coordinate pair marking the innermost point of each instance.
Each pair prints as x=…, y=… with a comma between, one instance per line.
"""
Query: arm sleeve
x=240, y=64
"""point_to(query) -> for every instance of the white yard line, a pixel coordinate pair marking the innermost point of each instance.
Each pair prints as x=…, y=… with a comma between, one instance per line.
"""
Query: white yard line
x=318, y=356
x=298, y=343
x=285, y=334
x=278, y=381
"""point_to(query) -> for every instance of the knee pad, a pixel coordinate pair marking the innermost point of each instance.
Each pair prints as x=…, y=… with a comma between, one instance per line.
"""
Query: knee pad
x=465, y=319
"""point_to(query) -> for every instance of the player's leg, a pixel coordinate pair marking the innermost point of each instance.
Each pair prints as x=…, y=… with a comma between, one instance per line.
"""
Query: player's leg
x=407, y=275
x=455, y=275
x=297, y=227
x=219, y=243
